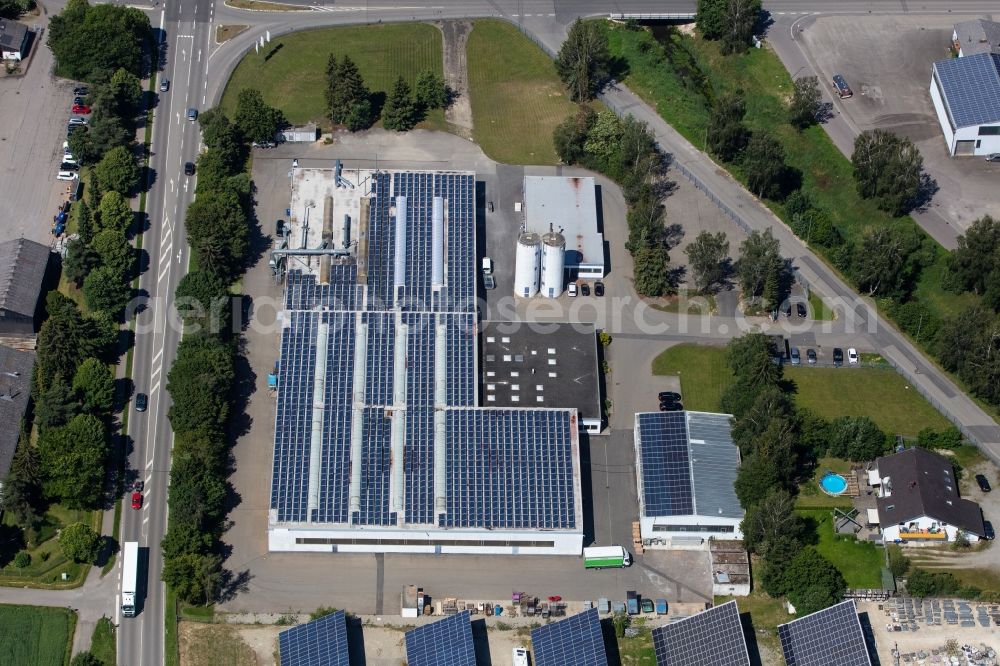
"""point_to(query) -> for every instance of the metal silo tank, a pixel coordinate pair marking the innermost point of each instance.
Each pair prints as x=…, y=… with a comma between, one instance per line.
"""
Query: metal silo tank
x=553, y=263
x=528, y=263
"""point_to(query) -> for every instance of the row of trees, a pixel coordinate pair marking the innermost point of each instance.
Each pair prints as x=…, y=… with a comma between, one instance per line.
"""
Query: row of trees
x=352, y=105
x=91, y=42
x=201, y=380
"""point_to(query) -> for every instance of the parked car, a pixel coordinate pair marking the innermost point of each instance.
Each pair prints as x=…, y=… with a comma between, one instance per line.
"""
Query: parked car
x=189, y=168
x=79, y=101
x=141, y=402
x=585, y=289
x=988, y=532
x=67, y=175
x=838, y=356
x=279, y=228
x=76, y=120
x=841, y=87
x=598, y=288
x=786, y=309
x=164, y=85
x=192, y=114
x=69, y=166
x=811, y=356
x=136, y=500
x=852, y=356
x=993, y=157
x=80, y=108
x=69, y=159
x=81, y=90
x=800, y=309
x=571, y=289
x=671, y=407
x=796, y=359
x=669, y=395
x=984, y=485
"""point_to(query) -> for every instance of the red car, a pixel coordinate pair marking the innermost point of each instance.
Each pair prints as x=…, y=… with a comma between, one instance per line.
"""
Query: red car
x=136, y=500
x=81, y=108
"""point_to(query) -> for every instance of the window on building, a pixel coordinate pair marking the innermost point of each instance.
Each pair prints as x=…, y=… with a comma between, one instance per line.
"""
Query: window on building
x=989, y=130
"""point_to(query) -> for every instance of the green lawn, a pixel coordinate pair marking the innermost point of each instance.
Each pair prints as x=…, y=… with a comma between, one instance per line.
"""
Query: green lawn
x=703, y=371
x=47, y=561
x=102, y=644
x=293, y=79
x=681, y=75
x=830, y=392
x=880, y=393
x=820, y=311
x=36, y=635
x=517, y=98
x=860, y=562
x=811, y=496
x=637, y=651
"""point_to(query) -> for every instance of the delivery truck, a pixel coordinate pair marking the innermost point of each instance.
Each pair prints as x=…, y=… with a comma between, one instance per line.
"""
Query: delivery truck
x=603, y=557
x=130, y=577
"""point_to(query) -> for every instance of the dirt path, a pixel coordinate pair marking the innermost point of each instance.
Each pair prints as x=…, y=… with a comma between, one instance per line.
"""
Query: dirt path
x=456, y=74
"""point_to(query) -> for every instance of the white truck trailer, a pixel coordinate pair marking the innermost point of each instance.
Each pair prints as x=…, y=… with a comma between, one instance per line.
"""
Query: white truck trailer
x=130, y=577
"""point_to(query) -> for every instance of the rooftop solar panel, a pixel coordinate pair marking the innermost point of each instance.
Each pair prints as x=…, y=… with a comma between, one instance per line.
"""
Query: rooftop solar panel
x=666, y=465
x=710, y=638
x=447, y=642
x=575, y=641
x=322, y=642
x=830, y=636
x=971, y=87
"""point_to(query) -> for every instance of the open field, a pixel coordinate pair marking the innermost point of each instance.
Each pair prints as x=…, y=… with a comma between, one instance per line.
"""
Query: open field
x=830, y=392
x=36, y=635
x=860, y=562
x=293, y=79
x=517, y=98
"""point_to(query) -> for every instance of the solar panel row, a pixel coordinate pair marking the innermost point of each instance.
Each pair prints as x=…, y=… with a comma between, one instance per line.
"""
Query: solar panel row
x=510, y=469
x=461, y=334
x=418, y=467
x=381, y=341
x=829, y=636
x=447, y=642
x=666, y=465
x=575, y=641
x=322, y=642
x=376, y=453
x=710, y=638
x=303, y=293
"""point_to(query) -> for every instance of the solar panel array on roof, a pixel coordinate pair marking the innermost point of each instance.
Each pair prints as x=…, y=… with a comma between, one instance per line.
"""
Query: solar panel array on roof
x=575, y=641
x=830, y=636
x=381, y=339
x=666, y=466
x=303, y=293
x=971, y=87
x=711, y=638
x=447, y=642
x=322, y=642
x=461, y=334
x=376, y=452
x=510, y=469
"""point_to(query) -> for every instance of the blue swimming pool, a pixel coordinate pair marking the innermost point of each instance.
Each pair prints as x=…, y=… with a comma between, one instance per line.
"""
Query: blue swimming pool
x=833, y=484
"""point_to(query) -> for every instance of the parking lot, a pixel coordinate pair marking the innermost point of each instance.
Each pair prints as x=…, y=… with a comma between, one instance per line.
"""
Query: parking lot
x=887, y=60
x=34, y=109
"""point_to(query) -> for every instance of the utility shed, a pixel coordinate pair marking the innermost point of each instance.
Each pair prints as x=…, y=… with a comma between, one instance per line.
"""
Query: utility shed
x=23, y=265
x=15, y=387
x=299, y=133
x=567, y=206
x=966, y=96
x=13, y=39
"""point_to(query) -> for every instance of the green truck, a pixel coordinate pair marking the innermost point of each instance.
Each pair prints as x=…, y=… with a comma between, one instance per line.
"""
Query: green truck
x=605, y=557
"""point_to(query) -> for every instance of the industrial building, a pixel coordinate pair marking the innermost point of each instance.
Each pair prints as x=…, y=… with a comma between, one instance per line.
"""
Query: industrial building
x=24, y=271
x=380, y=445
x=533, y=364
x=561, y=236
x=686, y=465
x=966, y=96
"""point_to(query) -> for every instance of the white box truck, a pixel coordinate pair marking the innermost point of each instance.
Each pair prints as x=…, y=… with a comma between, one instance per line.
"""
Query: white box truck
x=130, y=577
x=602, y=557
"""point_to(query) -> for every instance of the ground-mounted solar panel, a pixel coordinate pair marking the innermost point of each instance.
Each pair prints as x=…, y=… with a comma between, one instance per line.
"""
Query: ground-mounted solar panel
x=510, y=469
x=447, y=642
x=322, y=642
x=711, y=638
x=575, y=641
x=830, y=636
x=666, y=464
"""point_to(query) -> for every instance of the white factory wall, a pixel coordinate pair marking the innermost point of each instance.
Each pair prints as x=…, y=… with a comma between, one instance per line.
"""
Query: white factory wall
x=563, y=543
x=680, y=538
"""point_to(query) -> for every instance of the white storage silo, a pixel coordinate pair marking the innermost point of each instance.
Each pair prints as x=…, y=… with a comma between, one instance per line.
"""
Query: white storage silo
x=553, y=263
x=527, y=264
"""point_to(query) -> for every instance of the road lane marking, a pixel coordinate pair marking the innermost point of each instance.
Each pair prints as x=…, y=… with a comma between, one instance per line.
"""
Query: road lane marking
x=157, y=355
x=166, y=270
x=166, y=251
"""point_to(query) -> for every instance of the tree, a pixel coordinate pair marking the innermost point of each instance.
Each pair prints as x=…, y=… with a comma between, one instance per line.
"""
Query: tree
x=760, y=255
x=803, y=111
x=570, y=136
x=95, y=385
x=199, y=383
x=974, y=264
x=72, y=461
x=756, y=477
x=202, y=298
x=583, y=60
x=431, y=91
x=84, y=221
x=361, y=116
x=13, y=9
x=650, y=267
x=711, y=18
x=118, y=171
x=218, y=233
x=115, y=212
x=769, y=520
x=764, y=163
x=815, y=226
x=223, y=139
x=731, y=21
x=887, y=168
x=888, y=261
x=400, y=112
x=812, y=583
x=770, y=404
x=80, y=260
x=604, y=138
x=117, y=256
x=56, y=405
x=64, y=340
x=22, y=559
x=85, y=658
x=949, y=438
x=257, y=120
x=749, y=357
x=346, y=90
x=21, y=485
x=708, y=259
x=195, y=578
x=126, y=89
x=645, y=227
x=91, y=42
x=726, y=135
x=899, y=563
x=856, y=438
x=79, y=543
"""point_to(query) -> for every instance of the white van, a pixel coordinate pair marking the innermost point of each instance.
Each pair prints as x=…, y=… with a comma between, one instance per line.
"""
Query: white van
x=519, y=657
x=487, y=266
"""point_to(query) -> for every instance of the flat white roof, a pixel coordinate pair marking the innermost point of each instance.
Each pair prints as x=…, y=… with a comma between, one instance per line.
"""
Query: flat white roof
x=567, y=205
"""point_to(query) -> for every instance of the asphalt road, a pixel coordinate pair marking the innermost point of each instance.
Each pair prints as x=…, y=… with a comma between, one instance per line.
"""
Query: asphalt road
x=198, y=70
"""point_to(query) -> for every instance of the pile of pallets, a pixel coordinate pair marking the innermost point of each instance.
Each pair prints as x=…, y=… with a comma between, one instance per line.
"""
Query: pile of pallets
x=636, y=538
